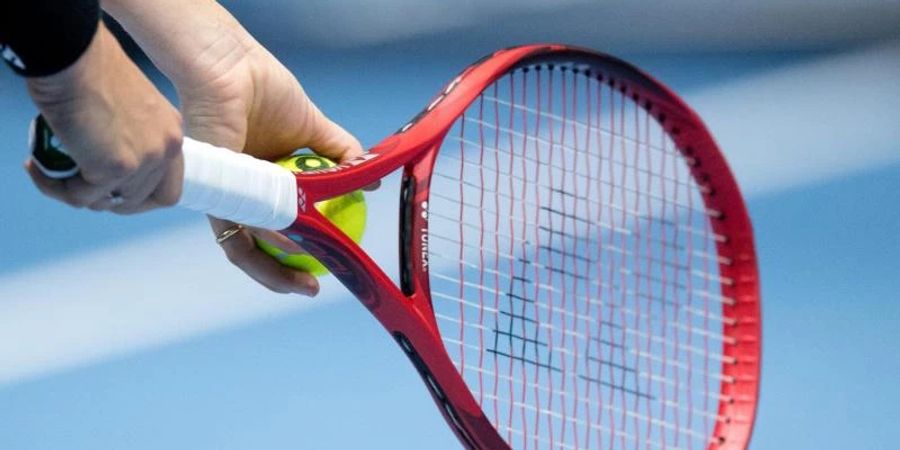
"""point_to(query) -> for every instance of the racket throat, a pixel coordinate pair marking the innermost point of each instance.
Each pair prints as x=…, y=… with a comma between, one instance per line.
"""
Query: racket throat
x=440, y=397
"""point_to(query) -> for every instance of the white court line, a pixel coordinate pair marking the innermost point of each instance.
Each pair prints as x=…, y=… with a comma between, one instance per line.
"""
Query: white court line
x=87, y=308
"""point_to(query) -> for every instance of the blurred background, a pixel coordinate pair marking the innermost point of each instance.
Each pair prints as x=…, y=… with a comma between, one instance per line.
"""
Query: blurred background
x=135, y=333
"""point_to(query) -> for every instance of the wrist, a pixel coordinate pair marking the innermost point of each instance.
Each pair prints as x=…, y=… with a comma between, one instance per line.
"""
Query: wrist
x=79, y=79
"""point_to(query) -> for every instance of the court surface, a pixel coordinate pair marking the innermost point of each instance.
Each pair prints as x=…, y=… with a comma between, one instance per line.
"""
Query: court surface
x=183, y=354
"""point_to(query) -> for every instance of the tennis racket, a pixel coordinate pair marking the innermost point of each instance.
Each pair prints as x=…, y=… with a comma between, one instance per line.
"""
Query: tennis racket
x=577, y=267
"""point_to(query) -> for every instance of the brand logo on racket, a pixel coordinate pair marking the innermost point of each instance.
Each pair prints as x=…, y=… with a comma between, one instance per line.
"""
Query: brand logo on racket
x=301, y=199
x=423, y=237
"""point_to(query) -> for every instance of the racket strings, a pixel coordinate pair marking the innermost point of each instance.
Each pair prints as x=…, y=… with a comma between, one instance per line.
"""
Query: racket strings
x=637, y=353
x=604, y=131
x=574, y=272
x=625, y=165
x=607, y=247
x=685, y=327
x=615, y=206
x=600, y=284
x=611, y=407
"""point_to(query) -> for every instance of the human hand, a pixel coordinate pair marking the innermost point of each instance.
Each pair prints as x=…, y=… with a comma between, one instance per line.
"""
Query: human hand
x=234, y=94
x=123, y=134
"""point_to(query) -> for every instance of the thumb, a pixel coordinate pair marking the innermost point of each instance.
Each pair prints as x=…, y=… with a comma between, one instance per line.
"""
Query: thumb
x=330, y=139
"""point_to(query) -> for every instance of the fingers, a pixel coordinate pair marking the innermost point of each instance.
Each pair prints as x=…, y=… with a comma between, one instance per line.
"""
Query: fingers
x=156, y=184
x=119, y=196
x=136, y=191
x=74, y=191
x=160, y=187
x=242, y=251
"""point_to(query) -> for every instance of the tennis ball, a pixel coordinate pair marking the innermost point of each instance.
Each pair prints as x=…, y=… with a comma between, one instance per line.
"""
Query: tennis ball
x=347, y=212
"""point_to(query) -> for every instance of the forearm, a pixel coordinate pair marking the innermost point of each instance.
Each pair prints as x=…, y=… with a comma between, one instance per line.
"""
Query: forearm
x=204, y=51
x=182, y=34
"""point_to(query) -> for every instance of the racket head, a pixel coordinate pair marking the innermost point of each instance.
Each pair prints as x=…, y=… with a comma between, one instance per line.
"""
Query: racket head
x=625, y=315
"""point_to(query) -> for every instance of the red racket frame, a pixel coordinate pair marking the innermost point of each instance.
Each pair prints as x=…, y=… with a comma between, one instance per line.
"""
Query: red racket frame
x=406, y=311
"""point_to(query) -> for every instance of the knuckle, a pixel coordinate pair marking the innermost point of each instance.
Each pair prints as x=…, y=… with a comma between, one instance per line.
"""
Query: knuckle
x=108, y=172
x=172, y=146
x=122, y=167
x=95, y=174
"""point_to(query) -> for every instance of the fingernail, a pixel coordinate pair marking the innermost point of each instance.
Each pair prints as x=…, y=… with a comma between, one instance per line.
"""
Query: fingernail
x=309, y=288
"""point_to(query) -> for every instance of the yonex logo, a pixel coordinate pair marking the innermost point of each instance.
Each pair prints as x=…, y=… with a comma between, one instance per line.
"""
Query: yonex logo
x=423, y=237
x=11, y=57
x=301, y=200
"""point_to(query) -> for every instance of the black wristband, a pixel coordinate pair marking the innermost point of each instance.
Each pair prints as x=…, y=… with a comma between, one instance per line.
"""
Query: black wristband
x=43, y=37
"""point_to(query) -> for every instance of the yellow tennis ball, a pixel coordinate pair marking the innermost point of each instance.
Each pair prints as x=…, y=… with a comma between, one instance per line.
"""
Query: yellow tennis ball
x=347, y=212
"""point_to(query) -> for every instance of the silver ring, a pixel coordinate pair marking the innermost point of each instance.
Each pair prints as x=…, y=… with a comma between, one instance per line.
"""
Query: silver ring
x=229, y=233
x=115, y=198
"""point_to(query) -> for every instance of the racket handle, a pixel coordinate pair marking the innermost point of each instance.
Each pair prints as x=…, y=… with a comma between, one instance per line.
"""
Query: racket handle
x=237, y=187
x=217, y=181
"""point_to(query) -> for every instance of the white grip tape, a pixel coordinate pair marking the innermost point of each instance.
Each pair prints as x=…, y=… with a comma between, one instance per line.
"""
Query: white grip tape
x=237, y=187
